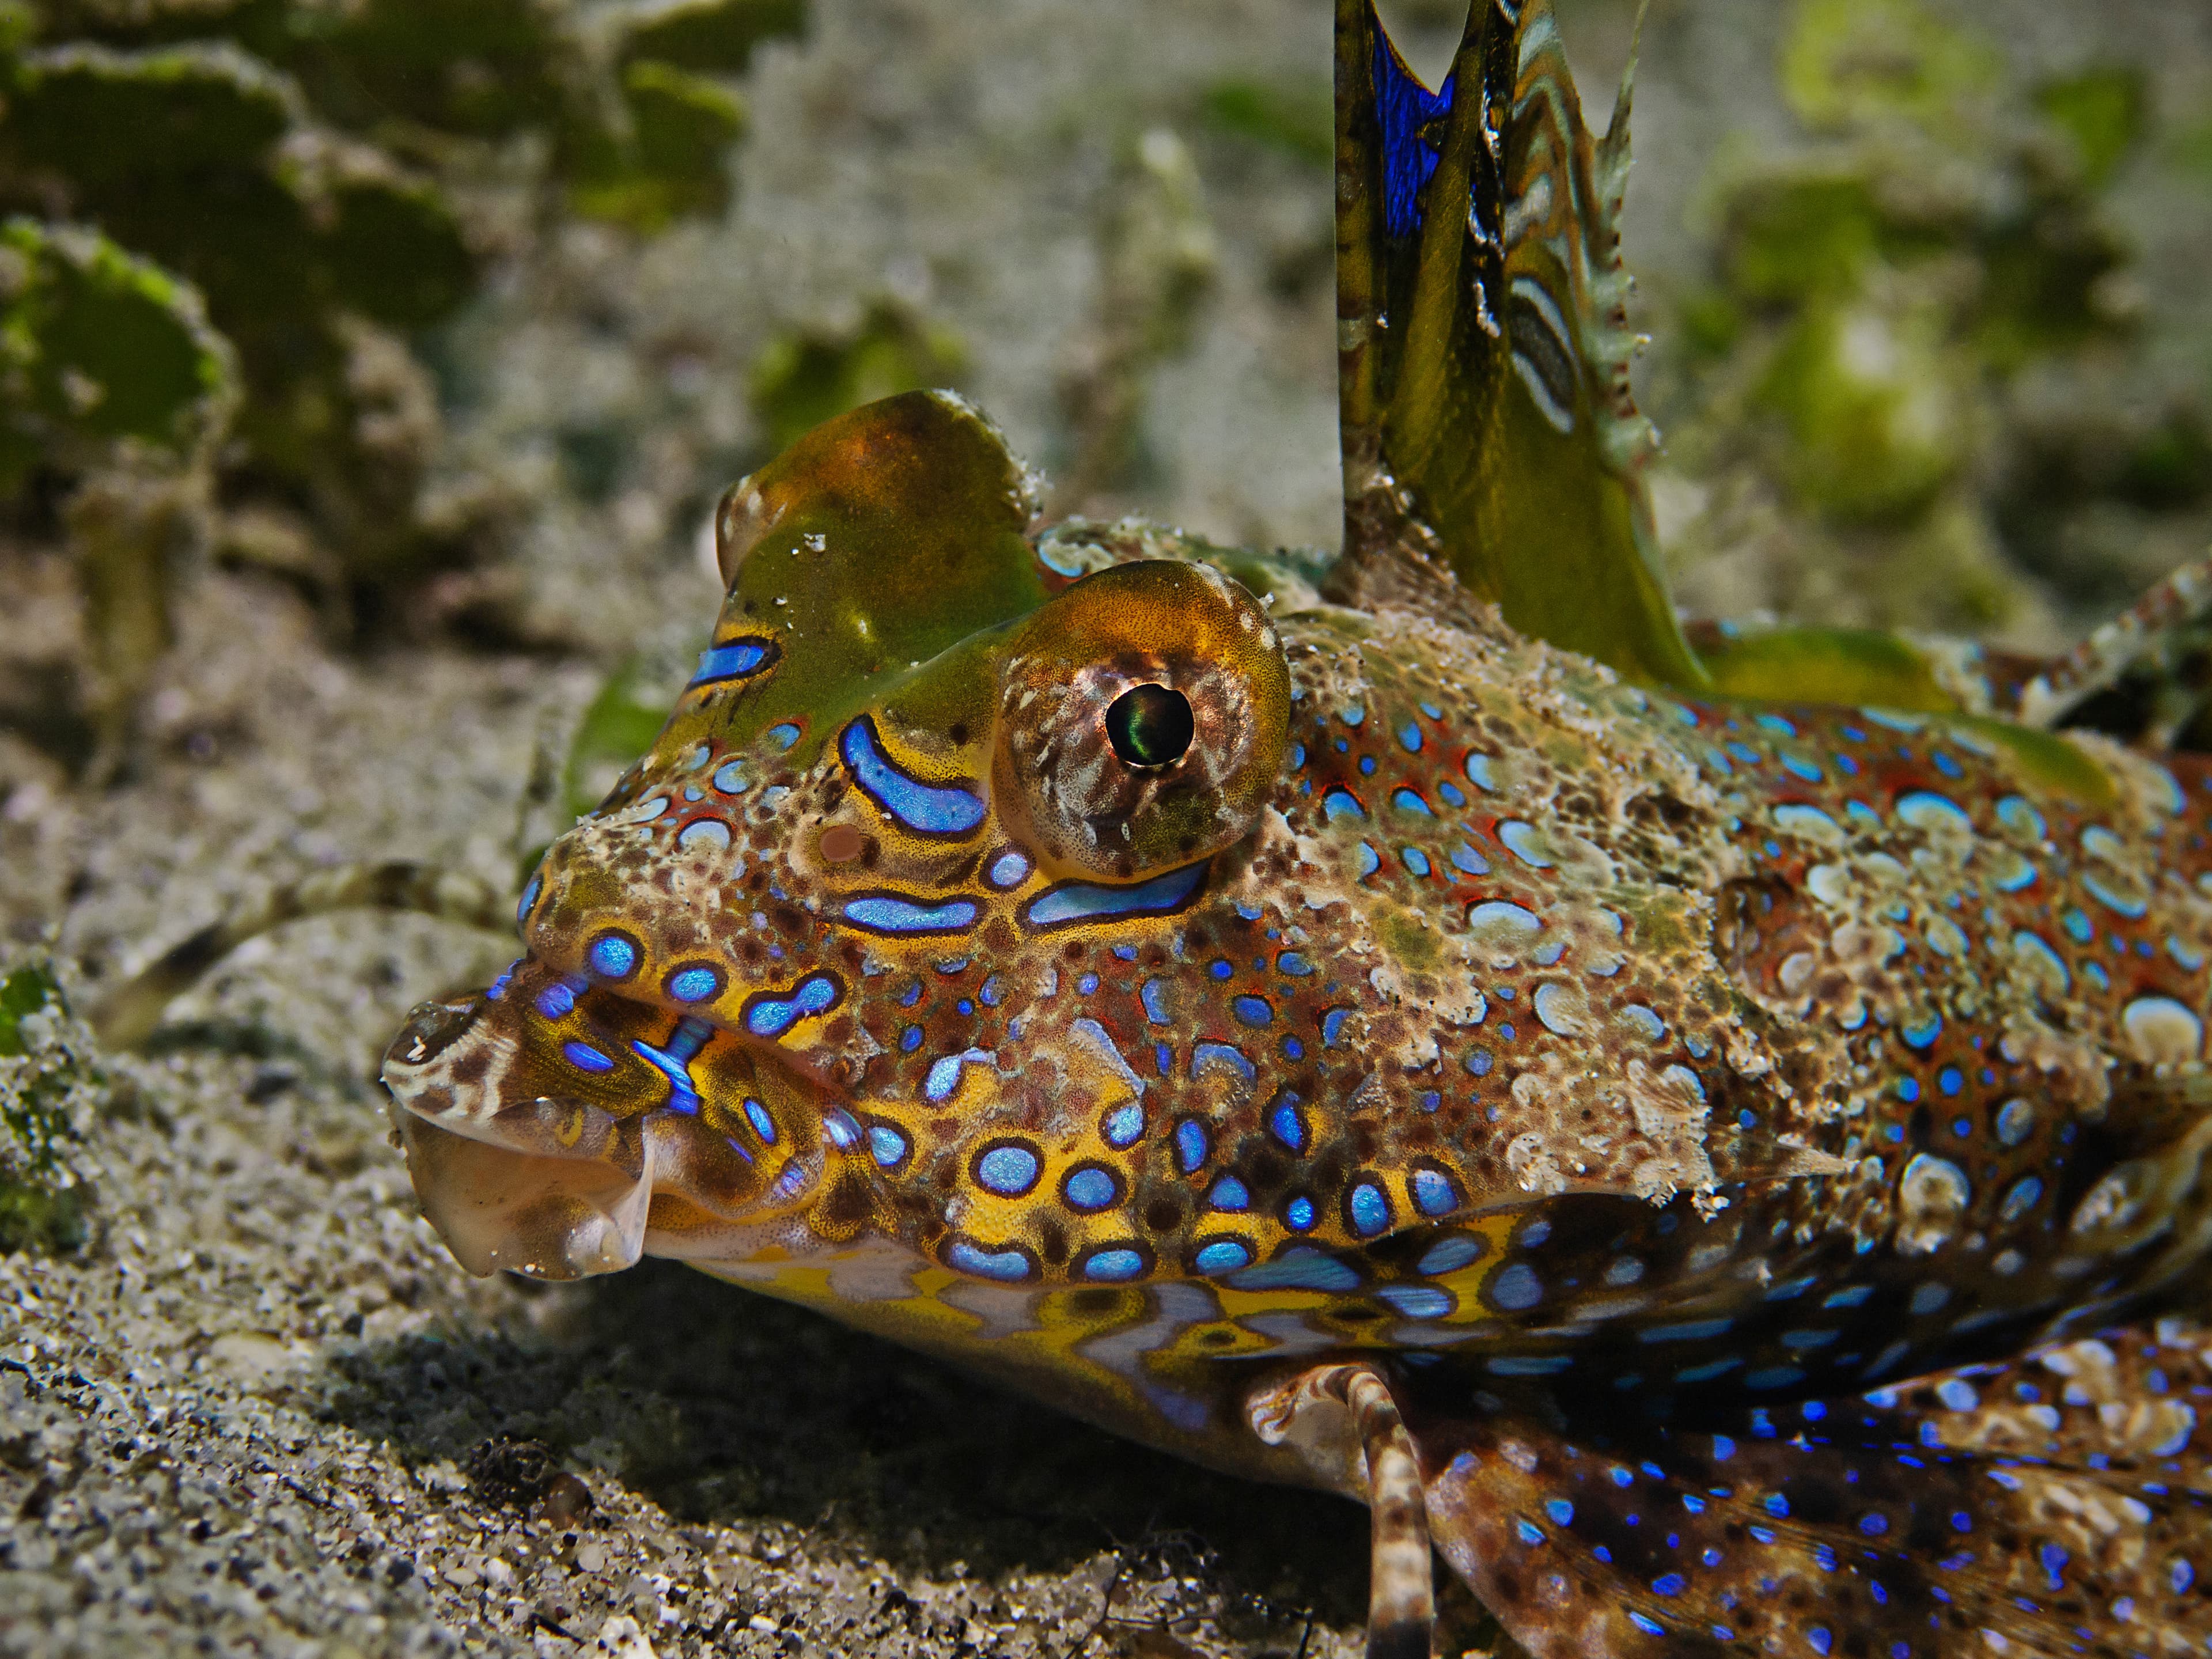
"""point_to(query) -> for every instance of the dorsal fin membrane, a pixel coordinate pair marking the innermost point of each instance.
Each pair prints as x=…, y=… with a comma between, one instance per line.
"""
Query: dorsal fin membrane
x=1483, y=350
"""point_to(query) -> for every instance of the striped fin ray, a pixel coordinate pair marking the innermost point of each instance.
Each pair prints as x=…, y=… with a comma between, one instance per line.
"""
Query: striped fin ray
x=1484, y=399
x=2058, y=1505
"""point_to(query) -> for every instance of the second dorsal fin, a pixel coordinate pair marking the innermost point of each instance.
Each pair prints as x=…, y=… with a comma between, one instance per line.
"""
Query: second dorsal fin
x=1484, y=389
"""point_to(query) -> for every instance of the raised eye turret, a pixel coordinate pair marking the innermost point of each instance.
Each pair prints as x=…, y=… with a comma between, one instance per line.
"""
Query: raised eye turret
x=1141, y=721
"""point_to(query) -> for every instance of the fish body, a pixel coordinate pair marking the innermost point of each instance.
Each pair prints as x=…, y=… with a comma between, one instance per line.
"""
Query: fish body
x=1307, y=1015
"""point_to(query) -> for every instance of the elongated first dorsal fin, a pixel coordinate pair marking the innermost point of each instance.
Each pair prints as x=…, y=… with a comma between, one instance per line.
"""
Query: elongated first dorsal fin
x=1483, y=341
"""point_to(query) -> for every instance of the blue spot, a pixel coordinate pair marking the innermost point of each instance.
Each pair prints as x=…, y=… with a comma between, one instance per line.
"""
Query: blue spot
x=2024, y=1194
x=1288, y=1123
x=1449, y=1255
x=839, y=1129
x=1921, y=1033
x=1009, y=1267
x=1804, y=770
x=1293, y=964
x=1925, y=810
x=1369, y=861
x=554, y=1001
x=1332, y=1023
x=886, y=1145
x=1927, y=1298
x=1432, y=1192
x=1113, y=1266
x=783, y=736
x=2112, y=898
x=1746, y=753
x=1820, y=1638
x=1851, y=1296
x=1299, y=1214
x=1526, y=1532
x=732, y=661
x=769, y=1015
x=1229, y=1194
x=911, y=1039
x=1154, y=995
x=1521, y=840
x=1221, y=967
x=1124, y=1124
x=1089, y=1188
x=1369, y=1209
x=1254, y=1011
x=1417, y=1301
x=1301, y=1267
x=1774, y=1376
x=1451, y=792
x=1223, y=1255
x=1496, y=913
x=1355, y=715
x=1409, y=734
x=586, y=1058
x=1957, y=1394
x=1667, y=1583
x=1007, y=870
x=1009, y=1171
x=1341, y=803
x=496, y=991
x=1723, y=1448
x=1943, y=763
x=945, y=1073
x=889, y=912
x=1414, y=859
x=529, y=900
x=731, y=779
x=694, y=984
x=1464, y=857
x=1075, y=901
x=614, y=956
x=1190, y=1144
x=1651, y=1626
x=1516, y=1287
x=1407, y=801
x=926, y=809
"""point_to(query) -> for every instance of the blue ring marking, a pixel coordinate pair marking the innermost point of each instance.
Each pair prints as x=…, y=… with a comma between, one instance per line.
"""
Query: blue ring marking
x=1449, y=1255
x=1409, y=737
x=1451, y=792
x=2018, y=815
x=1090, y=1188
x=586, y=1058
x=1221, y=1255
x=1803, y=770
x=1225, y=1055
x=1793, y=818
x=730, y=778
x=1921, y=1033
x=1230, y=1194
x=1480, y=773
x=1008, y=1170
x=556, y=999
x=1154, y=995
x=1190, y=1144
x=758, y=1115
x=784, y=734
x=839, y=1129
x=1432, y=1192
x=529, y=900
x=1418, y=1301
x=1293, y=965
x=1287, y=1123
x=1077, y=901
x=1406, y=800
x=1520, y=840
x=704, y=832
x=1923, y=809
x=694, y=984
x=1116, y=1265
x=732, y=661
x=1515, y=1287
x=2024, y=1195
x=673, y=1061
x=1369, y=1209
x=1299, y=1213
x=614, y=956
x=1008, y=869
x=886, y=1145
x=1124, y=1126
x=2125, y=904
x=770, y=1015
x=1254, y=1011
x=1008, y=1266
x=1369, y=861
x=926, y=809
x=1414, y=859
x=2015, y=1122
x=1301, y=1267
x=894, y=913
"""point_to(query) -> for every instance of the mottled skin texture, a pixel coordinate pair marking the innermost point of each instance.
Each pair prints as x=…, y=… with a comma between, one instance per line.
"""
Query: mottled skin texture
x=1463, y=1065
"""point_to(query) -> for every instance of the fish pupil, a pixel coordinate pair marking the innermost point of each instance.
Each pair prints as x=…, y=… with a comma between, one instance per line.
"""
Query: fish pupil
x=1150, y=725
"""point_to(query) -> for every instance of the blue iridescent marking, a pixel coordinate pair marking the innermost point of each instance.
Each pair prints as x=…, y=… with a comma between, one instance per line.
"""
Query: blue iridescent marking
x=586, y=1058
x=1464, y=857
x=1925, y=810
x=1369, y=1209
x=1254, y=1011
x=613, y=956
x=1498, y=912
x=783, y=735
x=1190, y=1144
x=1530, y=1364
x=769, y=1015
x=1299, y=1214
x=731, y=779
x=758, y=1115
x=1230, y=1194
x=885, y=1145
x=1803, y=769
x=1451, y=792
x=1332, y=1023
x=926, y=809
x=1341, y=803
x=694, y=984
x=1921, y=1033
x=1515, y=1287
x=1409, y=737
x=1414, y=859
x=1008, y=870
x=556, y=1000
x=1449, y=1255
x=1154, y=995
x=529, y=900
x=1009, y=1267
x=1009, y=1171
x=1124, y=1124
x=1089, y=1188
x=2112, y=898
x=889, y=913
x=1301, y=1267
x=1432, y=1192
x=673, y=1061
x=1113, y=1266
x=1223, y=1255
x=944, y=1073
x=1076, y=901
x=732, y=661
x=1288, y=1124
x=2016, y=814
x=1369, y=861
x=1292, y=963
x=1407, y=801
x=1521, y=840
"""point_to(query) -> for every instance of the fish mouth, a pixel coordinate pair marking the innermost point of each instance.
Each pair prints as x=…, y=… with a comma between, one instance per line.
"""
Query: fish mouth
x=623, y=1130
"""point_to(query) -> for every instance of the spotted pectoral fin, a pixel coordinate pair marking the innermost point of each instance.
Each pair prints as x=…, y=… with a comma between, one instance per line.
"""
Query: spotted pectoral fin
x=1484, y=344
x=2061, y=1504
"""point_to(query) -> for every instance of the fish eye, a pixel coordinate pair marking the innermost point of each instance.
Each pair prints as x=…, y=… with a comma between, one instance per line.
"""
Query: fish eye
x=1150, y=725
x=1143, y=716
